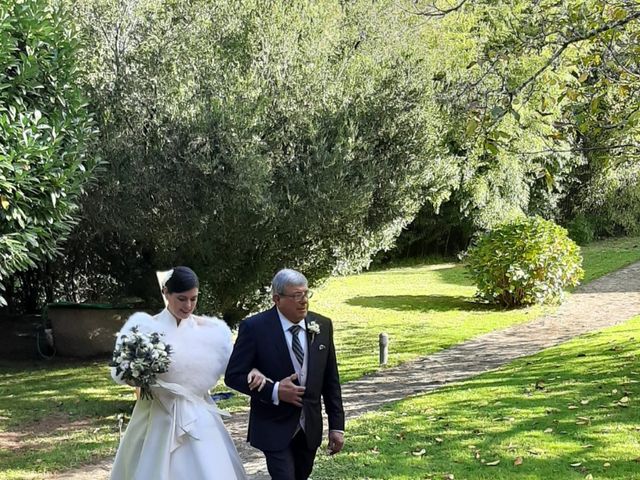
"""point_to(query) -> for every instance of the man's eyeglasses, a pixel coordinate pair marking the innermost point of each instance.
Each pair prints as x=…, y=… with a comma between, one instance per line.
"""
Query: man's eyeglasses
x=298, y=295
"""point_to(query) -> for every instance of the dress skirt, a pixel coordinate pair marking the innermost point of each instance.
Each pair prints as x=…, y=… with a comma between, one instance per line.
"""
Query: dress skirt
x=145, y=452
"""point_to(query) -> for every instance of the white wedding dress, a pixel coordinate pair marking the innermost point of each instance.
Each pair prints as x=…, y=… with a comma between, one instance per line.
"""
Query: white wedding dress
x=179, y=435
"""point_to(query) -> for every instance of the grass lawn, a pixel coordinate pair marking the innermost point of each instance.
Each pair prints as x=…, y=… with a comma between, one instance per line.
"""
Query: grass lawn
x=428, y=307
x=57, y=415
x=602, y=257
x=570, y=412
x=423, y=308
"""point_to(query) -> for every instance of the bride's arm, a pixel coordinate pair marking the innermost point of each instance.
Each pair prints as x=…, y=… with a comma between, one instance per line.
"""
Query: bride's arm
x=256, y=379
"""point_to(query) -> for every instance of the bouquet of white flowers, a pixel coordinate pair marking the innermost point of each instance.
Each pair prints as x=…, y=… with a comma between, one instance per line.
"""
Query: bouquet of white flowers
x=139, y=357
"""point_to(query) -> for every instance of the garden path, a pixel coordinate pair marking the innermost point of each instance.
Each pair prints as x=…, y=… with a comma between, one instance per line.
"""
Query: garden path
x=607, y=301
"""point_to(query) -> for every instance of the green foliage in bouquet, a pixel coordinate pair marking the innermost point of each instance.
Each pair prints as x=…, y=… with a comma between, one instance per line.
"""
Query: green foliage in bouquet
x=44, y=131
x=139, y=357
x=528, y=261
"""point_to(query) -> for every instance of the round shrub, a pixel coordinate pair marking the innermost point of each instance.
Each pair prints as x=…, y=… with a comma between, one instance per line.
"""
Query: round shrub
x=528, y=261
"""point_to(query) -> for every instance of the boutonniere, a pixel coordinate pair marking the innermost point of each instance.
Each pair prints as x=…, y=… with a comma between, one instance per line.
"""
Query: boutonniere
x=314, y=329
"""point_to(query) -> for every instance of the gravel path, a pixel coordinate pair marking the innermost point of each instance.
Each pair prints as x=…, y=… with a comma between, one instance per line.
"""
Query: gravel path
x=607, y=301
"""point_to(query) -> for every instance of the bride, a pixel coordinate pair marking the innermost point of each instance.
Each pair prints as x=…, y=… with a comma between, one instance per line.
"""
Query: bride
x=178, y=434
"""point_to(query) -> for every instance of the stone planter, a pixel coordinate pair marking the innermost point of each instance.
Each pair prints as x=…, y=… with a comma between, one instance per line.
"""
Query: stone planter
x=82, y=330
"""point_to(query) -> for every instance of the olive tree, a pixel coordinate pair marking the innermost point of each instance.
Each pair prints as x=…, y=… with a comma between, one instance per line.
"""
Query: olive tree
x=246, y=136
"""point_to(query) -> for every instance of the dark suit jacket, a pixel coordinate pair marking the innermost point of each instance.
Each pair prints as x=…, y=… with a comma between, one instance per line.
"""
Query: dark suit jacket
x=261, y=344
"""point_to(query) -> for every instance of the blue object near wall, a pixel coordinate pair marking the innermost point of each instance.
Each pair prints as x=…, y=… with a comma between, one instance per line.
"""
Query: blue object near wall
x=216, y=397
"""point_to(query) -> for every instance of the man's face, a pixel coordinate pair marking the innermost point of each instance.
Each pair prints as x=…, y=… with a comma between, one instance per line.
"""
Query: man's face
x=294, y=303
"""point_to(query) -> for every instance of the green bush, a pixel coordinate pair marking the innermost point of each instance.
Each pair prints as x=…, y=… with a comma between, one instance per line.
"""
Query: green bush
x=530, y=260
x=581, y=230
x=44, y=129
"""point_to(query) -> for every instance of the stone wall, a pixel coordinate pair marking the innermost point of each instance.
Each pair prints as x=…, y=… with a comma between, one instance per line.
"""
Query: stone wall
x=81, y=331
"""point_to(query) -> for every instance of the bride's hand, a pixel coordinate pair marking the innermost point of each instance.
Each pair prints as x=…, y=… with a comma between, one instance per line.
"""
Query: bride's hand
x=256, y=379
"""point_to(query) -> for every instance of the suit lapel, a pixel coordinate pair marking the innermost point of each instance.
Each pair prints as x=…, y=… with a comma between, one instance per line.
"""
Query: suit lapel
x=282, y=349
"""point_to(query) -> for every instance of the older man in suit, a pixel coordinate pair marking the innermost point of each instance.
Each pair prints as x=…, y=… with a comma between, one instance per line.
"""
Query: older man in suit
x=294, y=347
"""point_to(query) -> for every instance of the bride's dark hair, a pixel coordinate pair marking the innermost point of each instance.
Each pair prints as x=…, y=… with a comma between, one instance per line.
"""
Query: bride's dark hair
x=181, y=280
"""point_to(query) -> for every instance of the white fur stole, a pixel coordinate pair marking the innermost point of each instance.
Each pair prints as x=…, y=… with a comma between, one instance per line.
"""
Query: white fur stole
x=201, y=347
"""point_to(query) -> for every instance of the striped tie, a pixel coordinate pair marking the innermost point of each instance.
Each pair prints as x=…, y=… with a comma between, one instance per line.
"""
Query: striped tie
x=296, y=346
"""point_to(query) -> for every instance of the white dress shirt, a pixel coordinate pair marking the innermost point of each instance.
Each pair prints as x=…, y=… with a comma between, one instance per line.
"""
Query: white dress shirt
x=301, y=370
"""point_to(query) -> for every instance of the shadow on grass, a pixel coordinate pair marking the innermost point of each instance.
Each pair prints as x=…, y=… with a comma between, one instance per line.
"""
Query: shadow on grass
x=60, y=452
x=451, y=273
x=422, y=303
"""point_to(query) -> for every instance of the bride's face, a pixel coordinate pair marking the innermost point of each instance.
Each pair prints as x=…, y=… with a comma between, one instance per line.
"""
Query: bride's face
x=182, y=304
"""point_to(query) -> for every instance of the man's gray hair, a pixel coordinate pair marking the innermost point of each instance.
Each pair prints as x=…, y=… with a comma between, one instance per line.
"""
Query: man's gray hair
x=287, y=277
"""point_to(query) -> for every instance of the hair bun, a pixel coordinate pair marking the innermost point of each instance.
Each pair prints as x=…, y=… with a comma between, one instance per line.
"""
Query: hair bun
x=181, y=279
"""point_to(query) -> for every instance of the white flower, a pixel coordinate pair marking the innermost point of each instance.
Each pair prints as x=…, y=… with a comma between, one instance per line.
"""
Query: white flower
x=313, y=327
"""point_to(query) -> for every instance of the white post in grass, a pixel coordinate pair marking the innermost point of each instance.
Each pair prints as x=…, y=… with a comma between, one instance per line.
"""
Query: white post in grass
x=384, y=348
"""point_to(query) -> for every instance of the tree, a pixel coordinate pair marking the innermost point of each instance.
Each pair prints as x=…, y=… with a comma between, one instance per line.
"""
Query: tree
x=44, y=133
x=247, y=136
x=540, y=100
x=546, y=56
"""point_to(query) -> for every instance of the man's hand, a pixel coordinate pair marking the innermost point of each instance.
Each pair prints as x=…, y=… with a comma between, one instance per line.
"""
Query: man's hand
x=290, y=392
x=336, y=441
x=256, y=379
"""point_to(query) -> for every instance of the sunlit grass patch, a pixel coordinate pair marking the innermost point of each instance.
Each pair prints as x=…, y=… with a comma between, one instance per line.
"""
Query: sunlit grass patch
x=566, y=413
x=604, y=256
x=57, y=415
x=423, y=309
